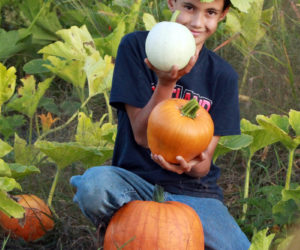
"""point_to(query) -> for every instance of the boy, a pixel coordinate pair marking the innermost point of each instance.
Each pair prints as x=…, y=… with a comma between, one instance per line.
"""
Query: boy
x=137, y=88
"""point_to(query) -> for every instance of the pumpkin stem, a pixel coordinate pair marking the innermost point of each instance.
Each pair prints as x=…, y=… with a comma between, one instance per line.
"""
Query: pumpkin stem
x=174, y=16
x=158, y=194
x=190, y=109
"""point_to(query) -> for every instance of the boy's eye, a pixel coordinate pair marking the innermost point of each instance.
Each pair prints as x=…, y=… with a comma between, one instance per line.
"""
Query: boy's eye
x=211, y=12
x=188, y=7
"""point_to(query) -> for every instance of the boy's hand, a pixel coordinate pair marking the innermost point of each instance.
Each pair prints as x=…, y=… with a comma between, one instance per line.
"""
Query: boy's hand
x=169, y=77
x=197, y=167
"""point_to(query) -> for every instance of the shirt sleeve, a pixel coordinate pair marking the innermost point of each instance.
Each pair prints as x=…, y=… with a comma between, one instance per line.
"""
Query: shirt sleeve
x=131, y=79
x=225, y=110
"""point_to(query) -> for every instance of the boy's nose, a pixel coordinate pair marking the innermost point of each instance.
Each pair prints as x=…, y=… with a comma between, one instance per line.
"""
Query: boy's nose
x=198, y=20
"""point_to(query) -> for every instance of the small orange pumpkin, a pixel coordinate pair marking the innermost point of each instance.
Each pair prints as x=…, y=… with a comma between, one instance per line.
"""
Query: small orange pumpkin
x=151, y=225
x=179, y=127
x=36, y=221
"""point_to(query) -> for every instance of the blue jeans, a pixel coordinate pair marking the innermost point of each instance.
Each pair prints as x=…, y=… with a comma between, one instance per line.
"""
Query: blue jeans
x=101, y=191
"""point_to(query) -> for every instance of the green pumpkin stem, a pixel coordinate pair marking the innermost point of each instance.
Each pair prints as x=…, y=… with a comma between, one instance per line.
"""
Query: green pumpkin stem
x=158, y=194
x=190, y=109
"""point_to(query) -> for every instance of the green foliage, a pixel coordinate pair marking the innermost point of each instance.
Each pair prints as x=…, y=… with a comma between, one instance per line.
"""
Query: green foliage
x=261, y=241
x=71, y=45
x=228, y=143
x=248, y=29
x=7, y=83
x=29, y=96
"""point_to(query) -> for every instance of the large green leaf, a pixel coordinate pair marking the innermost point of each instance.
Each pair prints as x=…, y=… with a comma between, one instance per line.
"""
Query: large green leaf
x=109, y=45
x=99, y=73
x=250, y=26
x=261, y=137
x=7, y=83
x=9, y=124
x=11, y=43
x=69, y=70
x=294, y=120
x=229, y=143
x=287, y=209
x=36, y=66
x=293, y=194
x=77, y=45
x=149, y=21
x=29, y=98
x=42, y=22
x=19, y=171
x=10, y=207
x=276, y=126
x=242, y=5
x=64, y=154
x=8, y=184
x=25, y=154
x=262, y=240
x=95, y=134
x=92, y=159
x=4, y=169
x=285, y=212
x=5, y=148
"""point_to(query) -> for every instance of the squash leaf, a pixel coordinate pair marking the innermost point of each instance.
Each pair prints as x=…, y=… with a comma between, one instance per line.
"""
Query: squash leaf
x=285, y=212
x=95, y=134
x=261, y=241
x=5, y=148
x=8, y=184
x=10, y=207
x=149, y=21
x=99, y=73
x=4, y=169
x=26, y=154
x=64, y=154
x=287, y=209
x=294, y=120
x=277, y=127
x=36, y=66
x=19, y=171
x=261, y=137
x=29, y=98
x=242, y=5
x=9, y=125
x=229, y=143
x=109, y=45
x=69, y=70
x=7, y=83
x=77, y=45
x=248, y=25
x=47, y=23
x=11, y=43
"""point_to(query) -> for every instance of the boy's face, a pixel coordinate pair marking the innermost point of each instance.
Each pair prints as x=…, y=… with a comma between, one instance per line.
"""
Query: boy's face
x=200, y=18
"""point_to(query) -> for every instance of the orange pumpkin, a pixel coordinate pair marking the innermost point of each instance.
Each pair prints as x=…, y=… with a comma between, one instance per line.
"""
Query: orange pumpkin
x=151, y=225
x=35, y=223
x=179, y=127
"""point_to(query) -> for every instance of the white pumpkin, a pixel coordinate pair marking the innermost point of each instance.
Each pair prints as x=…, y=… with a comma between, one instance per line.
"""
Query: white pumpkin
x=168, y=44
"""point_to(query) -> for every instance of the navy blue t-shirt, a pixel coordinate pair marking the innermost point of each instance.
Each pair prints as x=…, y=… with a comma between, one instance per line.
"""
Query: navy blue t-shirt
x=212, y=81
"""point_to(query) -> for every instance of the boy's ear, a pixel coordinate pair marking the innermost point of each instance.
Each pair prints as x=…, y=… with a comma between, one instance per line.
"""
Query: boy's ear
x=224, y=13
x=171, y=5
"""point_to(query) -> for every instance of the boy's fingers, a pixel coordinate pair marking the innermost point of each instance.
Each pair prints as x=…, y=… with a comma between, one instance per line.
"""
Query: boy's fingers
x=148, y=64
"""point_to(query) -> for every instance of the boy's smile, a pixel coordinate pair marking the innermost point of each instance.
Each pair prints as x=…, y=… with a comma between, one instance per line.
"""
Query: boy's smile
x=200, y=18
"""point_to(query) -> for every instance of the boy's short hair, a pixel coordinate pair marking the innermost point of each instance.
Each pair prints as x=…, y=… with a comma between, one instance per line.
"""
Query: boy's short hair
x=226, y=4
